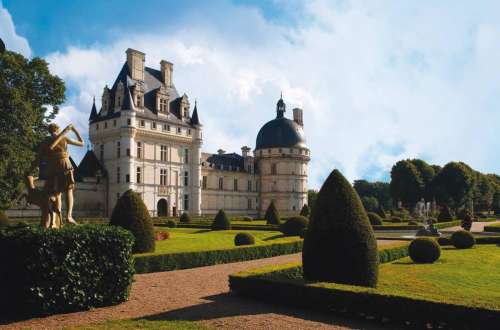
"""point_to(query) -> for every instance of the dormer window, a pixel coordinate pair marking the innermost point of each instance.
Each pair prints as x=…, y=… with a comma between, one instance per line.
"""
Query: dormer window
x=186, y=112
x=119, y=95
x=139, y=102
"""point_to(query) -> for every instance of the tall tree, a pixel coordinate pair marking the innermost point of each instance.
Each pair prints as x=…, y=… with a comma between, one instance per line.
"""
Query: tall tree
x=406, y=183
x=454, y=184
x=483, y=192
x=380, y=190
x=29, y=99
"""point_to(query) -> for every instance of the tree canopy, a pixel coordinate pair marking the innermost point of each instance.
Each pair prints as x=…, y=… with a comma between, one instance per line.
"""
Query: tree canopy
x=406, y=182
x=29, y=99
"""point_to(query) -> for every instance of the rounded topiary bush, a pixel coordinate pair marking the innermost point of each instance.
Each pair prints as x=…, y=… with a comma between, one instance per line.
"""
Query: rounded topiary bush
x=462, y=239
x=244, y=239
x=171, y=223
x=339, y=244
x=4, y=220
x=294, y=226
x=185, y=218
x=412, y=223
x=221, y=221
x=375, y=219
x=396, y=219
x=445, y=214
x=131, y=213
x=424, y=250
x=272, y=215
x=247, y=218
x=305, y=211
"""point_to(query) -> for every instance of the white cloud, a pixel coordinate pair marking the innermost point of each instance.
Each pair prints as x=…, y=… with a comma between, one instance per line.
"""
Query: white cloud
x=9, y=36
x=377, y=81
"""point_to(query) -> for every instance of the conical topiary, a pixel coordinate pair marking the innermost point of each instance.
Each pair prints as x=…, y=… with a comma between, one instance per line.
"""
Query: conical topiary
x=272, y=215
x=131, y=213
x=305, y=211
x=381, y=211
x=445, y=214
x=185, y=218
x=339, y=245
x=221, y=221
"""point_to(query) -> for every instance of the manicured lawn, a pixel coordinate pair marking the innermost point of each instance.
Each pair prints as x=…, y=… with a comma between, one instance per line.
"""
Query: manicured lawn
x=143, y=324
x=194, y=239
x=253, y=222
x=468, y=277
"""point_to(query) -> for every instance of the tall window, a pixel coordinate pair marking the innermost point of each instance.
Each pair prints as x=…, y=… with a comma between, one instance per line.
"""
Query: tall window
x=249, y=185
x=186, y=202
x=163, y=177
x=204, y=182
x=128, y=152
x=117, y=175
x=118, y=149
x=176, y=175
x=129, y=121
x=127, y=178
x=163, y=105
x=102, y=152
x=249, y=204
x=235, y=184
x=186, y=178
x=221, y=183
x=142, y=123
x=153, y=125
x=139, y=100
x=163, y=153
x=139, y=175
x=186, y=156
x=273, y=169
x=249, y=168
x=139, y=150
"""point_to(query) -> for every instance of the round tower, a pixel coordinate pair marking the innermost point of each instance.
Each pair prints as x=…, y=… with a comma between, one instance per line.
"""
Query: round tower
x=282, y=159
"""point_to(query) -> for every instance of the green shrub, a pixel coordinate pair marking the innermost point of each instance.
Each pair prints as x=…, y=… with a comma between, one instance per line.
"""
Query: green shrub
x=432, y=220
x=305, y=211
x=424, y=250
x=4, y=220
x=221, y=221
x=247, y=218
x=340, y=245
x=272, y=215
x=75, y=268
x=445, y=214
x=171, y=223
x=467, y=221
x=412, y=223
x=375, y=219
x=462, y=239
x=401, y=213
x=396, y=219
x=303, y=233
x=131, y=213
x=244, y=239
x=294, y=226
x=381, y=211
x=185, y=218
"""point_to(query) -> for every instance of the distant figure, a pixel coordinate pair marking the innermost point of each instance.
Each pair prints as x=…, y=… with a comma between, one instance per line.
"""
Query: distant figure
x=59, y=169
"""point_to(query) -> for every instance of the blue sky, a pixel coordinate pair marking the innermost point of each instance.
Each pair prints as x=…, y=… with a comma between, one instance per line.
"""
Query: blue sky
x=378, y=80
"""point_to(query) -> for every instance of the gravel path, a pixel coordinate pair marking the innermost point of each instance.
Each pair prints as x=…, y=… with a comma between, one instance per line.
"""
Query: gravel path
x=477, y=227
x=201, y=294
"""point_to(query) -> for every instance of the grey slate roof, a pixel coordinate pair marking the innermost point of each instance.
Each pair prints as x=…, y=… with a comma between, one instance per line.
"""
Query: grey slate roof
x=89, y=166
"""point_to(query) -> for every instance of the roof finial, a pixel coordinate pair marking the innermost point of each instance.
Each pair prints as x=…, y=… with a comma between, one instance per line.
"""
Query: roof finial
x=281, y=95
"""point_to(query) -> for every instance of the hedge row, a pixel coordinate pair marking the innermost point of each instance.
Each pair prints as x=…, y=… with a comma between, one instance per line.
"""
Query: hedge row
x=47, y=271
x=183, y=260
x=444, y=241
x=357, y=300
x=233, y=226
x=493, y=228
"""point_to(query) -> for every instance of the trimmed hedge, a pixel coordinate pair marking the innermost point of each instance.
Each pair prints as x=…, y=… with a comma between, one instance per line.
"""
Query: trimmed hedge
x=305, y=211
x=375, y=219
x=445, y=214
x=47, y=271
x=244, y=239
x=493, y=228
x=171, y=224
x=221, y=221
x=359, y=300
x=446, y=241
x=185, y=218
x=294, y=226
x=462, y=239
x=424, y=250
x=131, y=213
x=183, y=260
x=272, y=215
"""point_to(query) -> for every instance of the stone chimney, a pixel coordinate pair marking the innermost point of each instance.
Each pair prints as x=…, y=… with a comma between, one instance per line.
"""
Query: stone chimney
x=135, y=62
x=167, y=69
x=221, y=152
x=297, y=116
x=245, y=150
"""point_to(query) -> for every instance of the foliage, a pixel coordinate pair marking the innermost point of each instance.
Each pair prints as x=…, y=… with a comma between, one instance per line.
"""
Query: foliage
x=381, y=211
x=184, y=260
x=27, y=92
x=454, y=185
x=370, y=203
x=221, y=221
x=171, y=223
x=340, y=245
x=406, y=183
x=185, y=218
x=247, y=218
x=4, y=220
x=492, y=228
x=427, y=173
x=424, y=250
x=294, y=226
x=244, y=239
x=375, y=219
x=445, y=214
x=380, y=190
x=467, y=221
x=131, y=213
x=462, y=239
x=412, y=223
x=396, y=219
x=483, y=192
x=272, y=215
x=55, y=271
x=305, y=211
x=312, y=195
x=496, y=203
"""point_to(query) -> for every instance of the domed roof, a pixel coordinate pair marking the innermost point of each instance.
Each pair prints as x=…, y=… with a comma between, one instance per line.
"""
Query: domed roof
x=280, y=133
